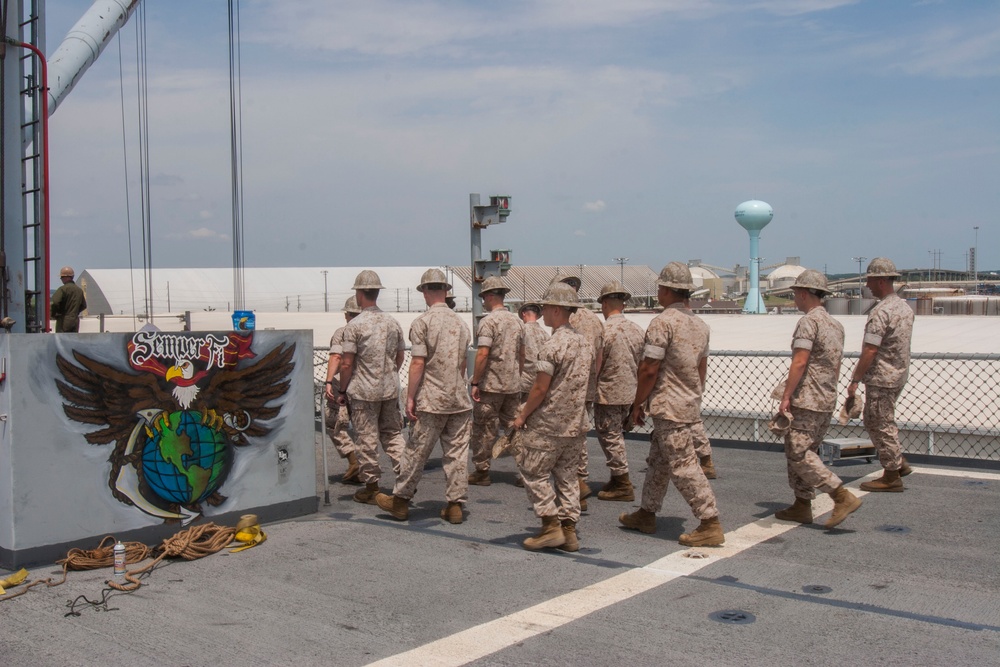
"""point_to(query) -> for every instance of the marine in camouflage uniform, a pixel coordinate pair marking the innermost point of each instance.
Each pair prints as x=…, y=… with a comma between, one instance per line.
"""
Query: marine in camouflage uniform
x=552, y=420
x=534, y=337
x=496, y=378
x=437, y=401
x=373, y=353
x=338, y=416
x=621, y=352
x=589, y=325
x=672, y=375
x=884, y=366
x=810, y=395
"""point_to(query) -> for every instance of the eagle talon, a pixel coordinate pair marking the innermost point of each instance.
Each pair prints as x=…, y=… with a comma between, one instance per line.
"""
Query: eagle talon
x=212, y=419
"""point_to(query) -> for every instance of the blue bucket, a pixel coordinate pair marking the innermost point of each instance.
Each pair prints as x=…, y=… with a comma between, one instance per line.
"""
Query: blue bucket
x=243, y=320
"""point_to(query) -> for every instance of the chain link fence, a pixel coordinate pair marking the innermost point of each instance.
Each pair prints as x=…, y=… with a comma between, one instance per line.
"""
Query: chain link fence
x=949, y=406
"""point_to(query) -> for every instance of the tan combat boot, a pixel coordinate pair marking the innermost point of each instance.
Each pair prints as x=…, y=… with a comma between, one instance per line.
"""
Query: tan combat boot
x=708, y=467
x=398, y=507
x=800, y=511
x=571, y=544
x=585, y=491
x=889, y=481
x=551, y=535
x=452, y=513
x=619, y=488
x=707, y=534
x=905, y=469
x=641, y=520
x=480, y=478
x=844, y=502
x=351, y=474
x=366, y=496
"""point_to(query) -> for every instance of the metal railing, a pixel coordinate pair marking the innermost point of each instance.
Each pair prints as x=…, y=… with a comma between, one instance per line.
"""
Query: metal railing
x=950, y=405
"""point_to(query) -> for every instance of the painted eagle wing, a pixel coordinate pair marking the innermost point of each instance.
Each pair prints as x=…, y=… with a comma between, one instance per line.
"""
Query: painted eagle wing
x=99, y=394
x=253, y=389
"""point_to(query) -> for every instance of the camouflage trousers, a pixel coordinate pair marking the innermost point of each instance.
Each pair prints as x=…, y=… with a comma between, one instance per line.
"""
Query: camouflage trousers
x=337, y=421
x=880, y=422
x=702, y=445
x=582, y=471
x=672, y=459
x=608, y=423
x=806, y=471
x=377, y=422
x=548, y=465
x=453, y=430
x=491, y=412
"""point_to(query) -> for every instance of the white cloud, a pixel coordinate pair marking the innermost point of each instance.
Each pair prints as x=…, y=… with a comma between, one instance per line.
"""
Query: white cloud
x=595, y=206
x=203, y=233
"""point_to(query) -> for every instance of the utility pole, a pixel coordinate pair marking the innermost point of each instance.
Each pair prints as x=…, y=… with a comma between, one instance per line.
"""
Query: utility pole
x=975, y=260
x=326, y=302
x=860, y=283
x=621, y=262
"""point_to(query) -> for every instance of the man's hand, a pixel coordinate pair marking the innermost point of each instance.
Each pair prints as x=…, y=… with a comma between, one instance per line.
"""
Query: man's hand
x=638, y=414
x=411, y=409
x=785, y=405
x=518, y=422
x=475, y=393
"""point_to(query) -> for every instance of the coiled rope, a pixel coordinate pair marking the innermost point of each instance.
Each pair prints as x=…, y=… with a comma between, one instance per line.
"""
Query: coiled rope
x=191, y=544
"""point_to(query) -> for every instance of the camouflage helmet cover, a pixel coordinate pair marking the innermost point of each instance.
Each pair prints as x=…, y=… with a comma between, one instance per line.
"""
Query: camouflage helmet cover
x=351, y=306
x=560, y=294
x=812, y=279
x=433, y=277
x=614, y=288
x=494, y=284
x=529, y=305
x=676, y=276
x=882, y=267
x=571, y=279
x=368, y=279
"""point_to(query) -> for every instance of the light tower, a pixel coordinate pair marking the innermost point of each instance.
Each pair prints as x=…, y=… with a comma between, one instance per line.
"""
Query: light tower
x=753, y=216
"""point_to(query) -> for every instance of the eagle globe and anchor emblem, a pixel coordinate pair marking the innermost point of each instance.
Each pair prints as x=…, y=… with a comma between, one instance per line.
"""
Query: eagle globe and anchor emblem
x=176, y=422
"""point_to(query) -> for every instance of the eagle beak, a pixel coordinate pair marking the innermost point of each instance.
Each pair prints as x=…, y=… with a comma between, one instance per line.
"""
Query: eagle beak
x=173, y=372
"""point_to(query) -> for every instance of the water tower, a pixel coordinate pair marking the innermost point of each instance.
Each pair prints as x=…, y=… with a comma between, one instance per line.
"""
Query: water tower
x=753, y=216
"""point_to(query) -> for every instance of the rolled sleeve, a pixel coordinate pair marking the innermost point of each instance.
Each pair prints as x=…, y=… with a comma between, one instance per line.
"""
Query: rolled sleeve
x=872, y=339
x=349, y=347
x=546, y=367
x=802, y=344
x=484, y=341
x=654, y=352
x=418, y=350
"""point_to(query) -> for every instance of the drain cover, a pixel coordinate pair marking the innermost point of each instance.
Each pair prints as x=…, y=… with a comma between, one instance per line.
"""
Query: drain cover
x=732, y=617
x=816, y=589
x=899, y=530
x=976, y=482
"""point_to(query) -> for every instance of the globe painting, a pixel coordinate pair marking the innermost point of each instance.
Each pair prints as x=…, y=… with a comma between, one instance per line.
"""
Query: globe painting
x=187, y=461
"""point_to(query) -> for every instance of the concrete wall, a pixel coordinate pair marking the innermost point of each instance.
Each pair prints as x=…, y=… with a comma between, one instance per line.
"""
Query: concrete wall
x=57, y=490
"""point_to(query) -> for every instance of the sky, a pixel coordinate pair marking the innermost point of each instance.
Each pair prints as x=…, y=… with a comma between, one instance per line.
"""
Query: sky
x=630, y=128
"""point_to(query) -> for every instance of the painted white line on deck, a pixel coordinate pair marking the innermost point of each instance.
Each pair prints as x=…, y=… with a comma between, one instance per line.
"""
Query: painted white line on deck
x=482, y=640
x=971, y=474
